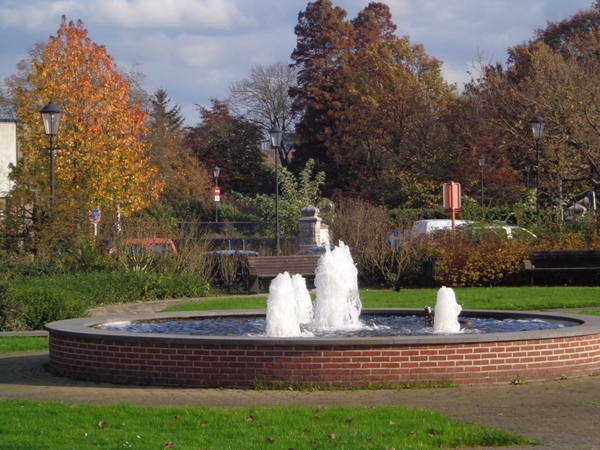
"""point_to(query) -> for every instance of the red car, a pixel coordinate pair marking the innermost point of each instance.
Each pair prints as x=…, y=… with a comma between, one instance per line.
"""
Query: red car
x=158, y=246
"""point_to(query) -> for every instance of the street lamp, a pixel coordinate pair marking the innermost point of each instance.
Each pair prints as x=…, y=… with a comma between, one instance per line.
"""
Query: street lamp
x=276, y=135
x=287, y=142
x=216, y=172
x=537, y=126
x=481, y=164
x=51, y=115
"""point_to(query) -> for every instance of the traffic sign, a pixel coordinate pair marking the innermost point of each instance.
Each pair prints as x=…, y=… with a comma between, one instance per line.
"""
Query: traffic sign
x=95, y=215
x=217, y=194
x=393, y=238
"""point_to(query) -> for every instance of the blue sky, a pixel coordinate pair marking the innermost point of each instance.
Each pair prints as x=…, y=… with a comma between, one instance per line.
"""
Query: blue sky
x=196, y=49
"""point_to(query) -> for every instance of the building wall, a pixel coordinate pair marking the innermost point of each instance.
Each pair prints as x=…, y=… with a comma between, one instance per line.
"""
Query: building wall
x=8, y=153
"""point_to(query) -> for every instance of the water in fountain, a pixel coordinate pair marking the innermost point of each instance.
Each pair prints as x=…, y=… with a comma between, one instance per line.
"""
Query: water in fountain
x=337, y=304
x=446, y=311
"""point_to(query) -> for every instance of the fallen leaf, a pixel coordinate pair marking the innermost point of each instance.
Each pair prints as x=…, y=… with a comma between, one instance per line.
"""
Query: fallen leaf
x=249, y=419
x=348, y=420
x=332, y=436
x=101, y=424
x=169, y=444
x=431, y=432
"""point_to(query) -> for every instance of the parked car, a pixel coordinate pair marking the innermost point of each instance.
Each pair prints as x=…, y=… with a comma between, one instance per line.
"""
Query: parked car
x=319, y=250
x=500, y=230
x=427, y=227
x=156, y=246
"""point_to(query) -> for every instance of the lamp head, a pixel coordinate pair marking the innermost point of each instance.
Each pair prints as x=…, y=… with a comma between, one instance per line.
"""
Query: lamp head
x=537, y=126
x=51, y=115
x=276, y=135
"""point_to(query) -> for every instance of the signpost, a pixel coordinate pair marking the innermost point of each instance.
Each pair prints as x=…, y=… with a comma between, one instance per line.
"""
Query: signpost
x=393, y=238
x=95, y=217
x=217, y=200
x=452, y=201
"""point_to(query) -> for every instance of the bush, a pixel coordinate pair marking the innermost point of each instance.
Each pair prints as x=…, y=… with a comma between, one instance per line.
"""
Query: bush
x=32, y=302
x=487, y=262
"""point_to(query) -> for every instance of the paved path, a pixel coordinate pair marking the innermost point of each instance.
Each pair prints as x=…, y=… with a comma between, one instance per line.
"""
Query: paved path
x=561, y=414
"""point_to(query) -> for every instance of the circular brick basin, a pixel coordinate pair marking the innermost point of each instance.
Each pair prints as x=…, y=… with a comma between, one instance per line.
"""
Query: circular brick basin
x=77, y=349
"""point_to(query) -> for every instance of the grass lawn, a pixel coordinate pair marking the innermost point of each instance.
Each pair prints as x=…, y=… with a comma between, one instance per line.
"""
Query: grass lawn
x=509, y=298
x=13, y=344
x=28, y=425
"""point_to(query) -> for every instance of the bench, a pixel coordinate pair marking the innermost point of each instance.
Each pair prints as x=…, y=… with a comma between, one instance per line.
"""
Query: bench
x=268, y=267
x=562, y=261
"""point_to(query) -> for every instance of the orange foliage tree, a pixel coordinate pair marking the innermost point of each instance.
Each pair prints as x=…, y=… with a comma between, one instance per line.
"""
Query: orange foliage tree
x=100, y=157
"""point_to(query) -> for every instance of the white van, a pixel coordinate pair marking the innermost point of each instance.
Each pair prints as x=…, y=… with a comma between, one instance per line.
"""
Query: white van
x=425, y=227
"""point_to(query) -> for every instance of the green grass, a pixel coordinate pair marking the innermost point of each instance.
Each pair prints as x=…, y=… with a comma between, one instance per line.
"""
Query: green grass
x=29, y=425
x=14, y=344
x=509, y=298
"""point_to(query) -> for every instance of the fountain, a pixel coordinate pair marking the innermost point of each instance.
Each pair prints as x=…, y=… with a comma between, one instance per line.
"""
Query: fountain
x=294, y=348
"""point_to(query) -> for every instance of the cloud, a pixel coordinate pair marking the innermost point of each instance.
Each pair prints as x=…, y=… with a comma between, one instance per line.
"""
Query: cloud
x=200, y=15
x=195, y=49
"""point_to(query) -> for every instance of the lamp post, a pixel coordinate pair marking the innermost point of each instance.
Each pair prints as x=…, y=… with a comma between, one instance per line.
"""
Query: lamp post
x=276, y=135
x=528, y=171
x=216, y=172
x=481, y=164
x=537, y=126
x=51, y=115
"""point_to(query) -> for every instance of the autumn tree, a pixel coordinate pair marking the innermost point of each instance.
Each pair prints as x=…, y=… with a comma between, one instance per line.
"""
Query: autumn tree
x=554, y=75
x=101, y=160
x=185, y=181
x=263, y=99
x=377, y=108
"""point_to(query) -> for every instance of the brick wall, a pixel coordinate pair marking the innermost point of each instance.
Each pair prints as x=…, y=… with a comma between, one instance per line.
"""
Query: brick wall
x=240, y=366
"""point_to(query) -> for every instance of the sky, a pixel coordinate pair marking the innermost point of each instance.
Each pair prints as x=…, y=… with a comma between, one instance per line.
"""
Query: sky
x=196, y=49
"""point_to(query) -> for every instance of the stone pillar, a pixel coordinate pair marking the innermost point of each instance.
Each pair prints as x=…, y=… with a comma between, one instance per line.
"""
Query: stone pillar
x=310, y=227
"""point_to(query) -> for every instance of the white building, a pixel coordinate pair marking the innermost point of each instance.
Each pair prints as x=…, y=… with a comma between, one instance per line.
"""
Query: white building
x=8, y=153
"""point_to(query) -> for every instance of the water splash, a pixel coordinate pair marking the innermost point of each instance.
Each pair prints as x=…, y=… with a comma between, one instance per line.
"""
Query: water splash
x=337, y=304
x=282, y=309
x=446, y=311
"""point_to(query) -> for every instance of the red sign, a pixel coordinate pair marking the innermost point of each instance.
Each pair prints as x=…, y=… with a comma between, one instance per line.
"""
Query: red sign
x=217, y=194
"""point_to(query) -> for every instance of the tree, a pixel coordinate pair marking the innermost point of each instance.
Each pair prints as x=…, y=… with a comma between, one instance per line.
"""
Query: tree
x=263, y=99
x=555, y=75
x=324, y=43
x=233, y=144
x=374, y=117
x=101, y=160
x=296, y=193
x=184, y=179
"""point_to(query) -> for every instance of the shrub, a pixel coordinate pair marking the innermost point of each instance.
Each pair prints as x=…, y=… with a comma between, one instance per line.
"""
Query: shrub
x=32, y=302
x=487, y=262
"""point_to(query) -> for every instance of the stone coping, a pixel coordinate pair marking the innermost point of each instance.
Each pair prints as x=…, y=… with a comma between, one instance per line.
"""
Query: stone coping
x=84, y=327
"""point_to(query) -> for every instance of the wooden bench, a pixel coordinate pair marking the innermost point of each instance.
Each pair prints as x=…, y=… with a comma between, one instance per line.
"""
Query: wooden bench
x=268, y=267
x=565, y=261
